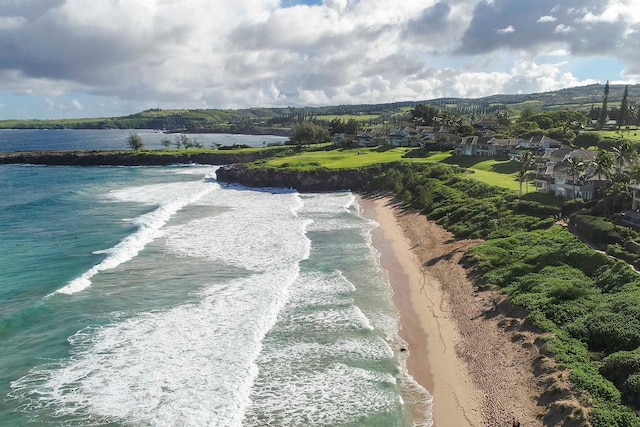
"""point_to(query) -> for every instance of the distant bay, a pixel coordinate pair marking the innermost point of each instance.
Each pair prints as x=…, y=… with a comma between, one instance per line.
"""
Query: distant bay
x=12, y=140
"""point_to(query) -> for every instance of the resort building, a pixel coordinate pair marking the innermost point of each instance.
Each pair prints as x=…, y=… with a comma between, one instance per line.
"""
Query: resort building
x=554, y=177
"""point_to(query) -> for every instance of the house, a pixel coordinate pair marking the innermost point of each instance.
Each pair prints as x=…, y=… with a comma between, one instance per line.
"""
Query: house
x=544, y=142
x=404, y=137
x=553, y=176
x=631, y=218
x=371, y=138
x=444, y=141
x=343, y=139
x=484, y=146
x=538, y=145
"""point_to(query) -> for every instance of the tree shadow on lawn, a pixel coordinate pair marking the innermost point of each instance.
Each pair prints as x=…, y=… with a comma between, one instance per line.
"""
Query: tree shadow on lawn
x=464, y=161
x=506, y=167
x=417, y=154
x=384, y=148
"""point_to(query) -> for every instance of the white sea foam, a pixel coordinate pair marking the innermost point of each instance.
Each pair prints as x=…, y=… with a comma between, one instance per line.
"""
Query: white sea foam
x=273, y=348
x=369, y=348
x=329, y=211
x=336, y=395
x=316, y=289
x=192, y=365
x=242, y=235
x=328, y=202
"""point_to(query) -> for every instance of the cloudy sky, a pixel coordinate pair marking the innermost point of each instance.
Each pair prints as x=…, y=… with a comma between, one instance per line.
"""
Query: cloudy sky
x=94, y=58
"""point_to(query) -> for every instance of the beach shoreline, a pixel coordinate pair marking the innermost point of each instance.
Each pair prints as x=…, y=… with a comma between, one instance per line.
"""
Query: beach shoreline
x=476, y=371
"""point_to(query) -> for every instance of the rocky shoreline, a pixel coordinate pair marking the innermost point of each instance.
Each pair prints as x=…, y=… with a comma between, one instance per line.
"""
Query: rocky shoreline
x=124, y=158
x=313, y=180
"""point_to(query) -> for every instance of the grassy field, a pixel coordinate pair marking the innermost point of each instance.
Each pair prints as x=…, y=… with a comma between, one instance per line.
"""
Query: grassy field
x=501, y=173
x=342, y=158
x=632, y=134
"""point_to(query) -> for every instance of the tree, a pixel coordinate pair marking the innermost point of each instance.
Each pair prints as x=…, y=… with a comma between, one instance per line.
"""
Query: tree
x=623, y=114
x=135, y=141
x=424, y=114
x=183, y=141
x=576, y=168
x=352, y=126
x=623, y=155
x=619, y=194
x=464, y=129
x=166, y=143
x=602, y=168
x=587, y=139
x=503, y=118
x=527, y=161
x=307, y=133
x=603, y=111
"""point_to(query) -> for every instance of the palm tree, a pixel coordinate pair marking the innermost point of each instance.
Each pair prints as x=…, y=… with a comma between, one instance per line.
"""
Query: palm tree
x=527, y=161
x=623, y=155
x=576, y=168
x=603, y=168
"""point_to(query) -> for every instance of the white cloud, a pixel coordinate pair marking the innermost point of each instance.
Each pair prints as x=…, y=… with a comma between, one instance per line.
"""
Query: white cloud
x=615, y=11
x=546, y=18
x=506, y=30
x=561, y=28
x=12, y=22
x=76, y=104
x=243, y=53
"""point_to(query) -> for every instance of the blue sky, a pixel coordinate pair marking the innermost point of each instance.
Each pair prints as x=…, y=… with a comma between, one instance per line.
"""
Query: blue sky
x=60, y=58
x=289, y=3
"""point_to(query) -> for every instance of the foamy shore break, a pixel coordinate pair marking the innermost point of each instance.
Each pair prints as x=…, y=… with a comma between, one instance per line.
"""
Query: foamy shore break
x=479, y=366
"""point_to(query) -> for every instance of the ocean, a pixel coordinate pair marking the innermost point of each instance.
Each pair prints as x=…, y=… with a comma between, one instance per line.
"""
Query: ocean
x=157, y=296
x=115, y=139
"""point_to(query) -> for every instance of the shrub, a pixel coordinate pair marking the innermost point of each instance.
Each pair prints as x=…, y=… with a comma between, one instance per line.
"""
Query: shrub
x=605, y=414
x=587, y=139
x=596, y=229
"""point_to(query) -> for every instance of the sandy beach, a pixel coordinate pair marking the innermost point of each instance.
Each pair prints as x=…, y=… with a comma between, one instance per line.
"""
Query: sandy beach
x=478, y=367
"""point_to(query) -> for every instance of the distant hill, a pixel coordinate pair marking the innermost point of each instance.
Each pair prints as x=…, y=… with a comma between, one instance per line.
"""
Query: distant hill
x=279, y=120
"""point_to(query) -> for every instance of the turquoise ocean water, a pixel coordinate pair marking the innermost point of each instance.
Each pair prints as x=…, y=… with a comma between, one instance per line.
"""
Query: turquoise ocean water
x=160, y=297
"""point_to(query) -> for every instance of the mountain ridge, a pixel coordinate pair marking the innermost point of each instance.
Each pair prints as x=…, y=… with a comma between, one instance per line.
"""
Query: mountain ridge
x=277, y=120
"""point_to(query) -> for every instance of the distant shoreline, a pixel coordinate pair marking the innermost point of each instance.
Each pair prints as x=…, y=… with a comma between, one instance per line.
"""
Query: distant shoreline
x=129, y=158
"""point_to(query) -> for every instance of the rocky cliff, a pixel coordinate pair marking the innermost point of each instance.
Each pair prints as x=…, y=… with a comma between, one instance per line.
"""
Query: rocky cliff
x=315, y=180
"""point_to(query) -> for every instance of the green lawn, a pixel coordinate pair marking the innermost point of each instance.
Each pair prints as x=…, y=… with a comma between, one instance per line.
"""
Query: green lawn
x=501, y=173
x=633, y=134
x=340, y=158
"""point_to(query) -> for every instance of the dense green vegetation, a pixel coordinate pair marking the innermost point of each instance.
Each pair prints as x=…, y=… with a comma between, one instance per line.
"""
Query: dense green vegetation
x=587, y=302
